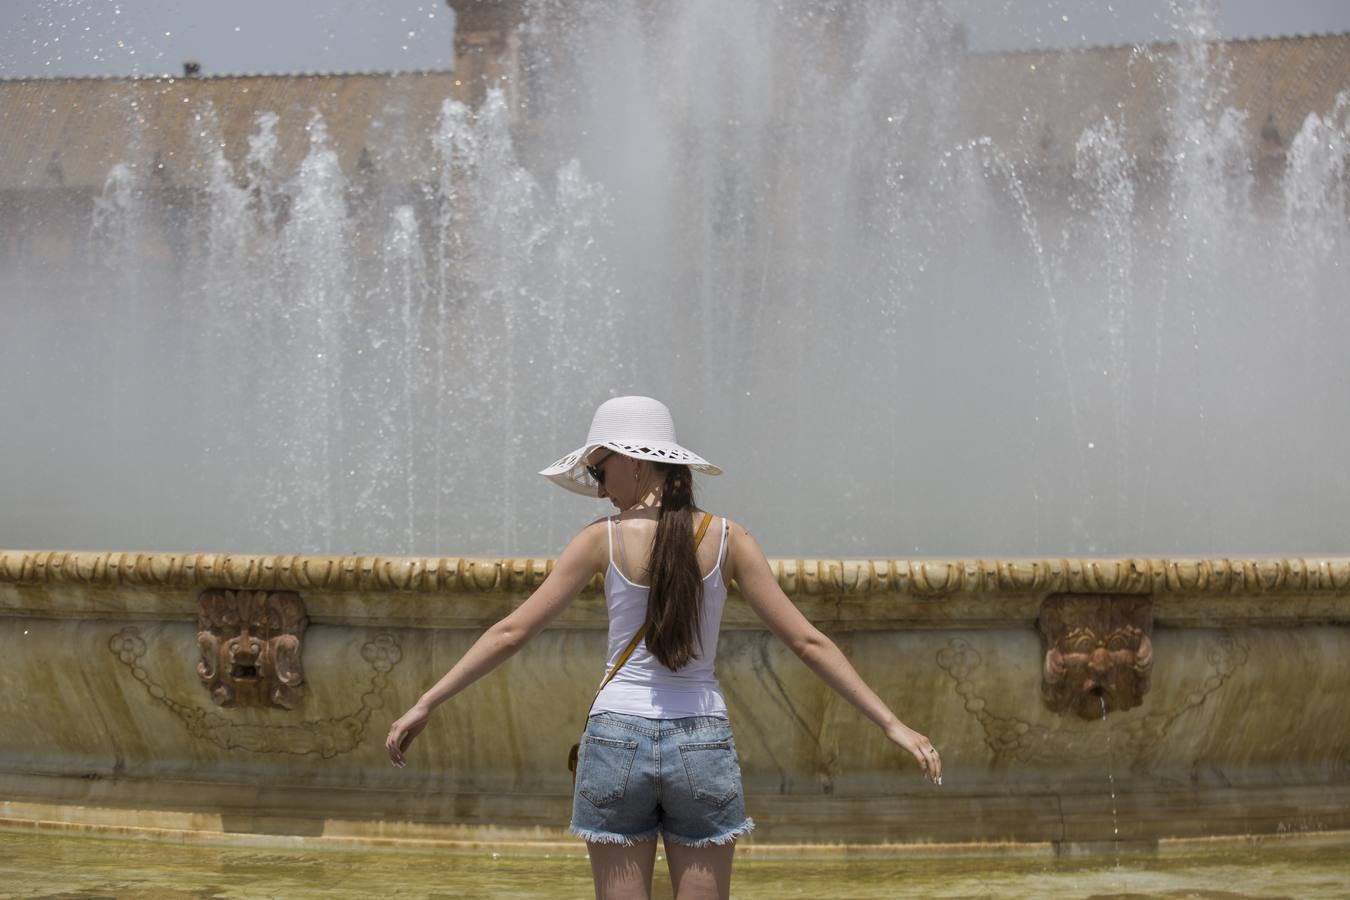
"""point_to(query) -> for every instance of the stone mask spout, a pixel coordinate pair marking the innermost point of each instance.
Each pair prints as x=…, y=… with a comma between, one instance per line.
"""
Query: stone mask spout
x=1097, y=652
x=251, y=643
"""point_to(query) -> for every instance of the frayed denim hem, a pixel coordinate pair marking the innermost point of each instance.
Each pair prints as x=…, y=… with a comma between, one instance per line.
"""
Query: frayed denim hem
x=725, y=837
x=609, y=837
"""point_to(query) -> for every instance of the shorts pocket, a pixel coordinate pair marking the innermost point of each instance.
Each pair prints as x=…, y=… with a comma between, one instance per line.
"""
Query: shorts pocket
x=602, y=776
x=714, y=774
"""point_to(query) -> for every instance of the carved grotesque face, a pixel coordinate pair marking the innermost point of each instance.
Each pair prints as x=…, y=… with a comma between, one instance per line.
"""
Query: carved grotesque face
x=1098, y=652
x=250, y=643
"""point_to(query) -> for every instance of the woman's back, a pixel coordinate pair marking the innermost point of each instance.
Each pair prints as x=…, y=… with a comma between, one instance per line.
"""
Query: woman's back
x=634, y=532
x=645, y=687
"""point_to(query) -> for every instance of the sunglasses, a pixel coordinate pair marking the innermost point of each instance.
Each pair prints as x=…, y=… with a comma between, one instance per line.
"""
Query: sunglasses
x=596, y=472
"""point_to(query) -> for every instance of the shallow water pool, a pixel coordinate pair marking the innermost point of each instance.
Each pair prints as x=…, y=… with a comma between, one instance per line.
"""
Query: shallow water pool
x=51, y=866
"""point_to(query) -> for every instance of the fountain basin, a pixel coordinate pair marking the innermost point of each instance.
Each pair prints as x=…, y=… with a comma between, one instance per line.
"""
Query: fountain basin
x=109, y=725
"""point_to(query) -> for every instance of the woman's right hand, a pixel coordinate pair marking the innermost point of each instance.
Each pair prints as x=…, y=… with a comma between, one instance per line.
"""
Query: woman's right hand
x=920, y=748
x=403, y=731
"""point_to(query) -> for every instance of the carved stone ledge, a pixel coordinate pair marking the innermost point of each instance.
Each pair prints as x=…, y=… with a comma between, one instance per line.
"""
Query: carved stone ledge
x=919, y=578
x=251, y=644
x=1098, y=652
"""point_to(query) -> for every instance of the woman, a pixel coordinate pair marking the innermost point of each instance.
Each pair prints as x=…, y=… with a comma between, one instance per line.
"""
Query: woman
x=657, y=756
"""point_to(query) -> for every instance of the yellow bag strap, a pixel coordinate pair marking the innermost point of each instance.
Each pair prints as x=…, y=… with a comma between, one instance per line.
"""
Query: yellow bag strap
x=642, y=632
x=702, y=529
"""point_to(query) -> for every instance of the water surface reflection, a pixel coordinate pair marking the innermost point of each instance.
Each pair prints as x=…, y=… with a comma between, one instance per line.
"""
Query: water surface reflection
x=40, y=866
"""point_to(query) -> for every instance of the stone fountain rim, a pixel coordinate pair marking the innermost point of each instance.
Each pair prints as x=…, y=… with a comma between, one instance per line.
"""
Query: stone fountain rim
x=797, y=577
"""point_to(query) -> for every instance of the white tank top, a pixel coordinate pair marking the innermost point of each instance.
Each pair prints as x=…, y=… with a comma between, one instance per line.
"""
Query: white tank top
x=644, y=687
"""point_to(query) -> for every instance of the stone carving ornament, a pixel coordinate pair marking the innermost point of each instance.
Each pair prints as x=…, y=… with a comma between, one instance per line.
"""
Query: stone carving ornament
x=1098, y=652
x=250, y=643
x=1013, y=740
x=1329, y=578
x=325, y=738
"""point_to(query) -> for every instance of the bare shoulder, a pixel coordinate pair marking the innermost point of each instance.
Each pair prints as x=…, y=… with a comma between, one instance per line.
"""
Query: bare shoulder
x=739, y=533
x=743, y=550
x=596, y=532
x=590, y=547
x=736, y=528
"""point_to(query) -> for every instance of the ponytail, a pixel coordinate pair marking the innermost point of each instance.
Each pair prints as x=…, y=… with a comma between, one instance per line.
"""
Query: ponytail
x=676, y=597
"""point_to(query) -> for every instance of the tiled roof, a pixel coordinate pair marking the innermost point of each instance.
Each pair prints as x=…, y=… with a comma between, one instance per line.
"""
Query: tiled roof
x=1034, y=104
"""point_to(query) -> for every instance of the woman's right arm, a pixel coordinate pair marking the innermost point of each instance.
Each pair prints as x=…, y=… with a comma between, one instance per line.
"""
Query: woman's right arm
x=760, y=589
x=579, y=562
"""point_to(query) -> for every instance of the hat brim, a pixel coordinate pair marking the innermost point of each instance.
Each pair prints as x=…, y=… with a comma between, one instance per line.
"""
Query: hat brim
x=570, y=471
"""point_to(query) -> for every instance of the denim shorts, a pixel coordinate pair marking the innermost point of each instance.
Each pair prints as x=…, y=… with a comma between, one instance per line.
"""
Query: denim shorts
x=639, y=777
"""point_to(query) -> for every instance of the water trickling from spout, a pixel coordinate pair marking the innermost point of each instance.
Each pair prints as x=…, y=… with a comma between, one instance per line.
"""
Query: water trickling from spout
x=1111, y=783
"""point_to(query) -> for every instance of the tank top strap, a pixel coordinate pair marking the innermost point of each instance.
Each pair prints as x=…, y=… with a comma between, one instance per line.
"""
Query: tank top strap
x=722, y=548
x=609, y=530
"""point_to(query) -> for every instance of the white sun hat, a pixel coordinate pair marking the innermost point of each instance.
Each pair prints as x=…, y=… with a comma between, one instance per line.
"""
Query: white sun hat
x=639, y=427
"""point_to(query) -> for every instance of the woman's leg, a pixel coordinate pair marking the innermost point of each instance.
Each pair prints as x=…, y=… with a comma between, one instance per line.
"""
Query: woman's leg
x=622, y=872
x=701, y=873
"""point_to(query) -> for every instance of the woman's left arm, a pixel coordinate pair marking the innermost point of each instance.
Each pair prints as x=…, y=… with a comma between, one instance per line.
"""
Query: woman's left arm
x=579, y=562
x=759, y=586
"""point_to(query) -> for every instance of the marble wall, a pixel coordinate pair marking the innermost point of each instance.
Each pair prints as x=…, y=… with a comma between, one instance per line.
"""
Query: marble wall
x=107, y=722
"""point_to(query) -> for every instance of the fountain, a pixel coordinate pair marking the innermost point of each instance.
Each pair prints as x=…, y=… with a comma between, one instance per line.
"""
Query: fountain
x=1075, y=312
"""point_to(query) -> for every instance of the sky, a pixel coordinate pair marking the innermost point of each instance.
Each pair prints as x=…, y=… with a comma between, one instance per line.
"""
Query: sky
x=147, y=37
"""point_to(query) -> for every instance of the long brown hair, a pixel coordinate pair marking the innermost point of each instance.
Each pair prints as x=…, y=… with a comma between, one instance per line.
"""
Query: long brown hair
x=676, y=597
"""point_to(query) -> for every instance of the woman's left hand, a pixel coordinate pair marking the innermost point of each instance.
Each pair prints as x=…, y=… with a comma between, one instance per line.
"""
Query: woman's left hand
x=403, y=731
x=920, y=747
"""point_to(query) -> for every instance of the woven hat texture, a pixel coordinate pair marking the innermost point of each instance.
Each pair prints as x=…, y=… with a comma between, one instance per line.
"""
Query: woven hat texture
x=639, y=427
